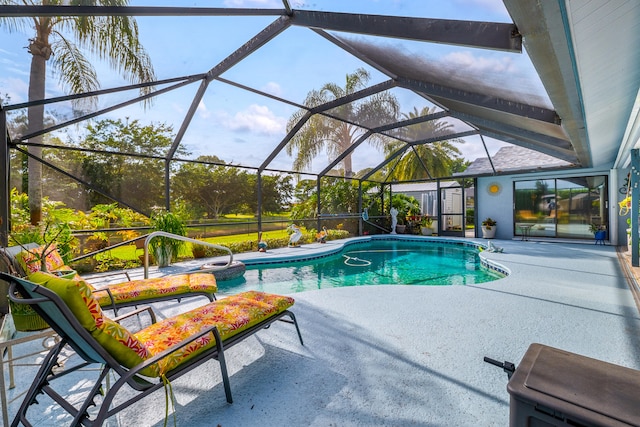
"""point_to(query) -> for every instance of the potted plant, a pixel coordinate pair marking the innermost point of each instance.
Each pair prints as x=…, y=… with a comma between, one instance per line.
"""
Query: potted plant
x=426, y=227
x=165, y=249
x=489, y=227
x=403, y=205
x=54, y=238
x=599, y=232
x=198, y=251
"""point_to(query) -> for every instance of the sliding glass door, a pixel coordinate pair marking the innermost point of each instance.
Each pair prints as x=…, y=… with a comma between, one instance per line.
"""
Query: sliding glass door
x=560, y=207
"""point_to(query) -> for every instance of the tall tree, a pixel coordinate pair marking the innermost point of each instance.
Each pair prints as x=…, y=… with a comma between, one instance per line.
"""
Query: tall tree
x=138, y=180
x=321, y=133
x=111, y=38
x=211, y=189
x=438, y=158
x=18, y=125
x=277, y=192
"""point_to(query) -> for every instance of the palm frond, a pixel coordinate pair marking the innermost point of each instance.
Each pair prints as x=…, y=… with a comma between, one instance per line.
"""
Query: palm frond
x=115, y=40
x=75, y=70
x=334, y=90
x=335, y=136
x=14, y=25
x=357, y=80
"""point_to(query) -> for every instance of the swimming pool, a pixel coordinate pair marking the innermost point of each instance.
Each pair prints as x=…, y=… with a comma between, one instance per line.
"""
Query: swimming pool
x=375, y=262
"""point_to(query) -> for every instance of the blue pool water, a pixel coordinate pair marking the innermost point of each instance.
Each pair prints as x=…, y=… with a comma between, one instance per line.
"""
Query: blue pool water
x=369, y=263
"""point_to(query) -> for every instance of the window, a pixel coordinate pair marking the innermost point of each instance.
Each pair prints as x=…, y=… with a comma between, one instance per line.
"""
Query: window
x=560, y=207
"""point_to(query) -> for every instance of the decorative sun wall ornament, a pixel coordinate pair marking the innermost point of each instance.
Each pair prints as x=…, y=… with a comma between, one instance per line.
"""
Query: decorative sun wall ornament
x=494, y=188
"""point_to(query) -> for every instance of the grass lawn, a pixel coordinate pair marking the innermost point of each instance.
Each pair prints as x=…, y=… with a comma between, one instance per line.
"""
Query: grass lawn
x=276, y=234
x=129, y=252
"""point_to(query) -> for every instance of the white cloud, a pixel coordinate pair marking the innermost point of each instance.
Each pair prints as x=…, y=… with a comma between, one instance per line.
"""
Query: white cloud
x=272, y=88
x=496, y=6
x=480, y=64
x=257, y=118
x=501, y=75
x=203, y=111
x=17, y=89
x=254, y=3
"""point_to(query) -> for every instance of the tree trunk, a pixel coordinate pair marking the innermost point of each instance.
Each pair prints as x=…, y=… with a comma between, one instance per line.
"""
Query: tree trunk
x=24, y=173
x=35, y=115
x=348, y=167
x=345, y=144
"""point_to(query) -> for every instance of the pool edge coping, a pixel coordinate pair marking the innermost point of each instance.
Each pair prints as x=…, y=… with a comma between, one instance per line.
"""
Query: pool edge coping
x=314, y=251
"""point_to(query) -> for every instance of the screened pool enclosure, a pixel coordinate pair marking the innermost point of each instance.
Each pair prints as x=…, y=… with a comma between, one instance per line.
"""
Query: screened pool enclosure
x=257, y=111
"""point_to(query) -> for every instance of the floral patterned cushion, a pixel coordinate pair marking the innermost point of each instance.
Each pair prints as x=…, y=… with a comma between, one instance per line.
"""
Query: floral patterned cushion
x=124, y=346
x=147, y=289
x=281, y=302
x=230, y=315
x=76, y=294
x=30, y=260
x=115, y=339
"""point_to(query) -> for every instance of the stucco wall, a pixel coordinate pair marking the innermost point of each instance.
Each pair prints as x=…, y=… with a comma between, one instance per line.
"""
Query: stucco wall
x=499, y=206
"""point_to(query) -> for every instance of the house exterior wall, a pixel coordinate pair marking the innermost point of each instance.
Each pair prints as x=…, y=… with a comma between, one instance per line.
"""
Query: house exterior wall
x=500, y=205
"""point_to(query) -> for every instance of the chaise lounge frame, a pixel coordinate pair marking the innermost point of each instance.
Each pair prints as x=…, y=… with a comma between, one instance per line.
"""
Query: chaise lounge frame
x=114, y=304
x=54, y=310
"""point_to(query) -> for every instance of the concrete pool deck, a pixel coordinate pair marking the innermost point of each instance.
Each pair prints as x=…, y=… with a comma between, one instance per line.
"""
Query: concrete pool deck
x=405, y=355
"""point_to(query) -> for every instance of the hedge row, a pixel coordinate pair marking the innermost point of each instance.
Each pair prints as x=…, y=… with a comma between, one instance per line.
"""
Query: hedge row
x=201, y=251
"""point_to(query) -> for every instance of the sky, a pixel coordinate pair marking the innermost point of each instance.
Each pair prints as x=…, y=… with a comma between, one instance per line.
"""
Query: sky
x=241, y=127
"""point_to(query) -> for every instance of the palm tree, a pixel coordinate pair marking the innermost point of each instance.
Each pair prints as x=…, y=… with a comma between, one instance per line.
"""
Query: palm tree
x=321, y=132
x=438, y=158
x=114, y=38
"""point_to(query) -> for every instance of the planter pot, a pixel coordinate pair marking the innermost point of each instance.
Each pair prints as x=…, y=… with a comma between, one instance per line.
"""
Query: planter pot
x=489, y=232
x=163, y=256
x=86, y=265
x=152, y=259
x=400, y=229
x=198, y=251
x=600, y=236
x=65, y=274
x=426, y=231
x=8, y=329
x=25, y=318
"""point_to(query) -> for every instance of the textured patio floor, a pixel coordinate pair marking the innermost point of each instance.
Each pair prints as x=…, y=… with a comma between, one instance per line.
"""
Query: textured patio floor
x=406, y=355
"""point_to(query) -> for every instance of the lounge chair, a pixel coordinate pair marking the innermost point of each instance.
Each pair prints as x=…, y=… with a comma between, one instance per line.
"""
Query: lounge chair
x=144, y=360
x=119, y=295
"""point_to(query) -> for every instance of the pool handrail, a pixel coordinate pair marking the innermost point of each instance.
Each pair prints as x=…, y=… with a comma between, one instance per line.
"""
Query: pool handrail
x=184, y=239
x=365, y=218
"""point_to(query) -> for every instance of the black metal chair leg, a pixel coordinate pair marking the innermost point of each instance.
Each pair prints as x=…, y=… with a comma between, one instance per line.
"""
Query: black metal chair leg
x=295, y=323
x=95, y=390
x=223, y=366
x=38, y=383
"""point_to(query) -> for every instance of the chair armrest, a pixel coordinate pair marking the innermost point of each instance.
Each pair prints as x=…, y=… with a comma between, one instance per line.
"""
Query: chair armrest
x=113, y=301
x=137, y=311
x=115, y=273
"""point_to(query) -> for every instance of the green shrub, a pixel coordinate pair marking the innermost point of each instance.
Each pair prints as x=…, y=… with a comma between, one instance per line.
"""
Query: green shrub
x=337, y=234
x=169, y=223
x=108, y=264
x=272, y=243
